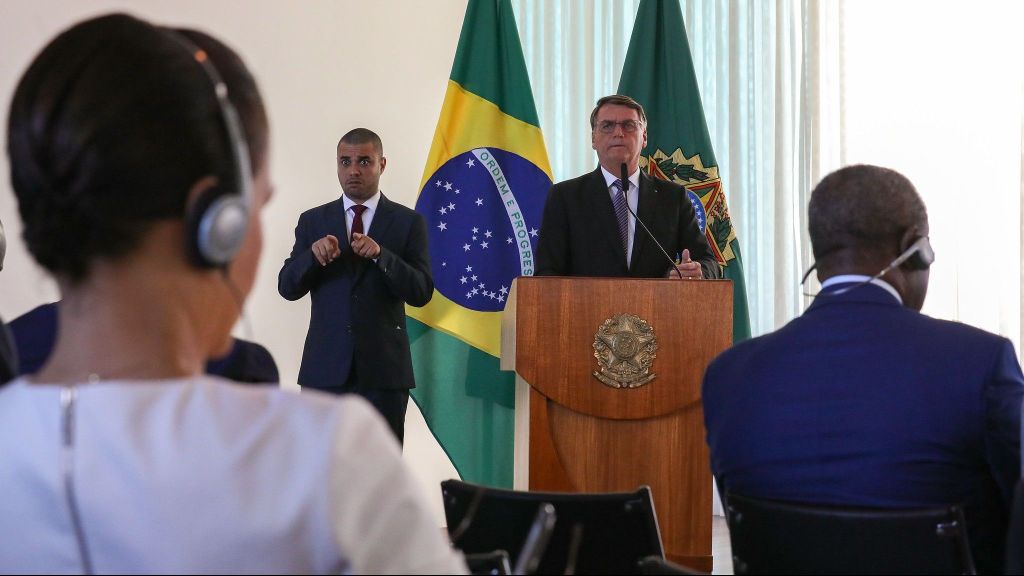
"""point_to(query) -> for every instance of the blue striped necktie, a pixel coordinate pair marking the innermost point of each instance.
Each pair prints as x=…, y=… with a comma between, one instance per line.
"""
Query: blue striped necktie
x=621, y=215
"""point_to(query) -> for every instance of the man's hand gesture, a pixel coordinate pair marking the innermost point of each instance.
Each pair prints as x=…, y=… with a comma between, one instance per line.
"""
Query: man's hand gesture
x=364, y=246
x=326, y=250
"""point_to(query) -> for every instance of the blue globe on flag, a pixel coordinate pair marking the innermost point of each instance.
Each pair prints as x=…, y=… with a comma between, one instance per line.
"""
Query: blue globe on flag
x=483, y=210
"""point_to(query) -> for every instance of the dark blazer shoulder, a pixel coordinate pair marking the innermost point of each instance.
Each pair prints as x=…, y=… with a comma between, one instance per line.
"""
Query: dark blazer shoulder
x=660, y=184
x=398, y=209
x=588, y=180
x=333, y=204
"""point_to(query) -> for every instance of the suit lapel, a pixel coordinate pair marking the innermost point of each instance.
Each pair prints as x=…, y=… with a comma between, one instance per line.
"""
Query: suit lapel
x=378, y=230
x=382, y=219
x=646, y=210
x=603, y=213
x=334, y=224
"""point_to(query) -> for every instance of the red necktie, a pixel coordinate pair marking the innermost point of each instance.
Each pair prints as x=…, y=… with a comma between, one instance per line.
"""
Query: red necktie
x=357, y=220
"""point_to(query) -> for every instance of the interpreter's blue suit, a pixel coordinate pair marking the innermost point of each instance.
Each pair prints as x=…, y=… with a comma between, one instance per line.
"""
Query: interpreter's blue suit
x=861, y=401
x=357, y=340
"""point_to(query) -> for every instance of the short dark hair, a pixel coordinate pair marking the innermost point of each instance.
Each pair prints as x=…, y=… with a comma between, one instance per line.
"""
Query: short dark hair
x=862, y=207
x=360, y=136
x=617, y=100
x=110, y=126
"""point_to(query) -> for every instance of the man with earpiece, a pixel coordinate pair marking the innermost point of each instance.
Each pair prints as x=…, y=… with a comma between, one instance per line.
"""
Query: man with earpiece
x=863, y=400
x=361, y=258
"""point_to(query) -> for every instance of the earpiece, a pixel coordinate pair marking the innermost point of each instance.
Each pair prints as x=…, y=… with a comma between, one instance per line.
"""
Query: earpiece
x=918, y=256
x=217, y=221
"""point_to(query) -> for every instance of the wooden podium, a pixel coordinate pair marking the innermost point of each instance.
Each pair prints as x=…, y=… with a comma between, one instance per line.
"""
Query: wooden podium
x=575, y=433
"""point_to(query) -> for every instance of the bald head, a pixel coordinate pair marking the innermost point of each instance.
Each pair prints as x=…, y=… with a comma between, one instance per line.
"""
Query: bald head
x=863, y=208
x=861, y=219
x=361, y=136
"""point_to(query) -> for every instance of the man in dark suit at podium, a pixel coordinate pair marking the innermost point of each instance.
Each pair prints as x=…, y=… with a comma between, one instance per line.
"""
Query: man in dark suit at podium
x=590, y=222
x=862, y=400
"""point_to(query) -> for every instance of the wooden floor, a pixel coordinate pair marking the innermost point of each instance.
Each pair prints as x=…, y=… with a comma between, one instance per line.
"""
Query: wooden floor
x=721, y=551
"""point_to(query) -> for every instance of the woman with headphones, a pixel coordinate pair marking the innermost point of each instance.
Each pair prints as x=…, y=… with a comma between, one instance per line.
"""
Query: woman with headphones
x=139, y=160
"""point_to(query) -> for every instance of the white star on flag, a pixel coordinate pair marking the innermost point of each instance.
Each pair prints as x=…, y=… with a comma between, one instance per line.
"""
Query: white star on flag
x=479, y=201
x=533, y=232
x=442, y=226
x=447, y=185
x=471, y=163
x=465, y=247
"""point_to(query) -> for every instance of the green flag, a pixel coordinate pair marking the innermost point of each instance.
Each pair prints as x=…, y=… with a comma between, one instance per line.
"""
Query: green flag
x=659, y=74
x=482, y=195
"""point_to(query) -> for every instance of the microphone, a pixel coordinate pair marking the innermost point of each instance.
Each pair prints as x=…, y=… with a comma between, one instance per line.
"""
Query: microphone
x=625, y=190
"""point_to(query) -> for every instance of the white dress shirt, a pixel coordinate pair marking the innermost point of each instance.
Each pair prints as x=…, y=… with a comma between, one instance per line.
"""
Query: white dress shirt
x=371, y=209
x=860, y=279
x=632, y=197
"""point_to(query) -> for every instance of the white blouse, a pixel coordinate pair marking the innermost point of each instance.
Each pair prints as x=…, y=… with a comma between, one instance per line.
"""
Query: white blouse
x=201, y=475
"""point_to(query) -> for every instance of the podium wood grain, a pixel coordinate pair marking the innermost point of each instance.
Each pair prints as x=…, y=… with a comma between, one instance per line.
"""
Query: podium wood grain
x=585, y=436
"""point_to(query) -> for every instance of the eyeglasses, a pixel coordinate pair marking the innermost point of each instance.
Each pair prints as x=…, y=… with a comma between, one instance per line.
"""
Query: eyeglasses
x=628, y=126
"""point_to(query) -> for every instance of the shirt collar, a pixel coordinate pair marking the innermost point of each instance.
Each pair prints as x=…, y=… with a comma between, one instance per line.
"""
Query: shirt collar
x=860, y=279
x=370, y=204
x=610, y=178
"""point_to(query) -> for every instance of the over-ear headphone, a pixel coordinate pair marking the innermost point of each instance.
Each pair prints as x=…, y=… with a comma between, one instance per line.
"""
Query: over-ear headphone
x=216, y=222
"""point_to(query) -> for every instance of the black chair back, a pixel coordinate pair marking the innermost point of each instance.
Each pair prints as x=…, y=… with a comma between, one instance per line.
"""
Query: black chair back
x=781, y=537
x=593, y=533
x=655, y=566
x=494, y=563
x=1015, y=536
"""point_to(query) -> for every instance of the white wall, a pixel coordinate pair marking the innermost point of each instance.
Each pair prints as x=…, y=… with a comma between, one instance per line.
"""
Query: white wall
x=935, y=89
x=325, y=67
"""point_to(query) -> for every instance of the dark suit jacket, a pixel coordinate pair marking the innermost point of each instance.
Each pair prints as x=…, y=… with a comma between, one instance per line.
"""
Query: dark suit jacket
x=8, y=356
x=579, y=235
x=861, y=401
x=35, y=333
x=358, y=313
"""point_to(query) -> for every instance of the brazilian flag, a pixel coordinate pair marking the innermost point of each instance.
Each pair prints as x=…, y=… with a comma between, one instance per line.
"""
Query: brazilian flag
x=482, y=195
x=658, y=73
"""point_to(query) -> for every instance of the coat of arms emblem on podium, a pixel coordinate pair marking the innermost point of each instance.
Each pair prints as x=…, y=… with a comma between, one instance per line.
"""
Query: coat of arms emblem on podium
x=625, y=346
